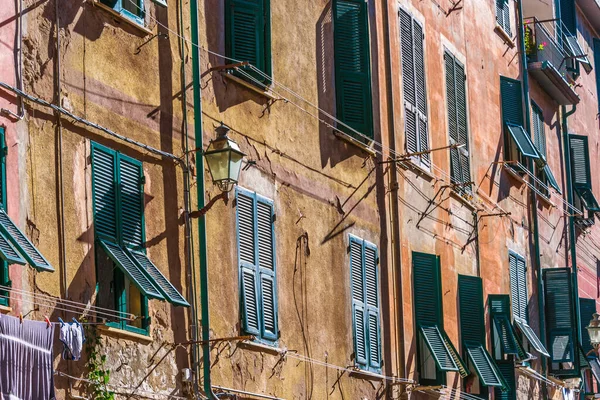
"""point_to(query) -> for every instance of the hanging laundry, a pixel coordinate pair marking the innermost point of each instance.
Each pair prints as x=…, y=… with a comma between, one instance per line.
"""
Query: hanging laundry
x=26, y=370
x=568, y=394
x=72, y=337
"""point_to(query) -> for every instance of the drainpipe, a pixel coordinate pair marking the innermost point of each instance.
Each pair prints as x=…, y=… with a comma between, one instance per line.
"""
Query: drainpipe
x=531, y=168
x=572, y=243
x=21, y=108
x=395, y=219
x=204, y=303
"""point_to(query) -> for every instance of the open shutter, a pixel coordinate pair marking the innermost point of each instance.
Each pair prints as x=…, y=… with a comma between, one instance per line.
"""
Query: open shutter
x=9, y=253
x=246, y=260
x=104, y=188
x=587, y=308
x=266, y=263
x=352, y=66
x=484, y=365
x=596, y=44
x=409, y=88
x=503, y=331
x=580, y=161
x=131, y=199
x=507, y=370
x=22, y=243
x=358, y=301
x=559, y=314
x=427, y=289
x=372, y=302
x=437, y=346
x=470, y=296
x=421, y=86
x=247, y=37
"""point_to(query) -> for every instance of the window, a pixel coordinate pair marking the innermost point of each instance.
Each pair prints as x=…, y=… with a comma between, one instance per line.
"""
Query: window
x=472, y=332
x=517, y=143
x=435, y=352
x=414, y=88
x=352, y=68
x=366, y=318
x=520, y=298
x=585, y=201
x=131, y=9
x=542, y=170
x=456, y=97
x=15, y=247
x=256, y=260
x=503, y=15
x=248, y=38
x=126, y=276
x=561, y=329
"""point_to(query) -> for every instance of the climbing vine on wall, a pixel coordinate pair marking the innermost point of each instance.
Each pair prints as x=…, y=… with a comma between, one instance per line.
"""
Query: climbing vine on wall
x=98, y=374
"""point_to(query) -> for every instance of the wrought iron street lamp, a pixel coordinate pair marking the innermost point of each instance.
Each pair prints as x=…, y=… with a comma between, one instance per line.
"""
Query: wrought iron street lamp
x=224, y=159
x=594, y=330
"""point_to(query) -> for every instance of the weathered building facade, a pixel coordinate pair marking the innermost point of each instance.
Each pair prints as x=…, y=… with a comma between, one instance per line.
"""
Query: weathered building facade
x=418, y=184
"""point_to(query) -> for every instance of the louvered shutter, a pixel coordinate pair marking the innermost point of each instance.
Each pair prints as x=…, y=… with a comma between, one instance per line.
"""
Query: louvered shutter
x=421, y=86
x=518, y=286
x=104, y=189
x=358, y=301
x=408, y=82
x=560, y=322
x=372, y=302
x=247, y=39
x=451, y=98
x=512, y=103
x=3, y=151
x=470, y=294
x=587, y=308
x=352, y=67
x=427, y=289
x=507, y=370
x=539, y=136
x=484, y=365
x=596, y=44
x=580, y=161
x=506, y=17
x=500, y=314
x=457, y=121
x=567, y=15
x=266, y=263
x=131, y=199
x=246, y=259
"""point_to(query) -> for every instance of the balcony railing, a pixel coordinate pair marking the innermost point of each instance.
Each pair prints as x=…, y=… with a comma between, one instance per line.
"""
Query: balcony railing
x=550, y=58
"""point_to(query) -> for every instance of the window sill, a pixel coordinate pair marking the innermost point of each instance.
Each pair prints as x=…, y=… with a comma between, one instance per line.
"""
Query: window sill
x=418, y=169
x=367, y=148
x=467, y=203
x=514, y=174
x=368, y=375
x=123, y=334
x=5, y=309
x=505, y=36
x=260, y=347
x=122, y=18
x=255, y=88
x=546, y=200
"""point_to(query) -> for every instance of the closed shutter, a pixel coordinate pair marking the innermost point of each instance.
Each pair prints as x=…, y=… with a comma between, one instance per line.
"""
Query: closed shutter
x=352, y=67
x=518, y=286
x=567, y=15
x=587, y=308
x=559, y=314
x=427, y=289
x=358, y=301
x=580, y=161
x=372, y=297
x=266, y=262
x=512, y=103
x=104, y=188
x=470, y=295
x=131, y=199
x=3, y=152
x=247, y=38
x=246, y=259
x=596, y=43
x=539, y=134
x=507, y=370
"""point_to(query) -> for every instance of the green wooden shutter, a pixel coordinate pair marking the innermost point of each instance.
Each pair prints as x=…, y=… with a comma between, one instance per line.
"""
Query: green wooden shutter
x=3, y=153
x=358, y=301
x=131, y=200
x=104, y=190
x=587, y=308
x=248, y=35
x=539, y=134
x=246, y=260
x=457, y=120
x=597, y=67
x=502, y=330
x=560, y=323
x=427, y=289
x=512, y=102
x=518, y=285
x=352, y=66
x=507, y=370
x=484, y=365
x=372, y=305
x=409, y=88
x=266, y=262
x=580, y=161
x=439, y=351
x=421, y=87
x=567, y=15
x=470, y=295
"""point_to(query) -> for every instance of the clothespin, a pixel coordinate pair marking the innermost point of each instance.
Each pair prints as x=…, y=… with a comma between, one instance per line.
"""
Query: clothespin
x=47, y=320
x=61, y=321
x=76, y=322
x=21, y=318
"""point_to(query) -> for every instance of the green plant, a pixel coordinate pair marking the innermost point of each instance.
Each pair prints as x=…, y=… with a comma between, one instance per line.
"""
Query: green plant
x=98, y=374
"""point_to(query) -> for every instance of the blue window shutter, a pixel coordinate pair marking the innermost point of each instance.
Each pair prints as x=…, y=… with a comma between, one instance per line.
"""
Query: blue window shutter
x=104, y=189
x=249, y=294
x=359, y=317
x=372, y=302
x=131, y=201
x=266, y=262
x=352, y=66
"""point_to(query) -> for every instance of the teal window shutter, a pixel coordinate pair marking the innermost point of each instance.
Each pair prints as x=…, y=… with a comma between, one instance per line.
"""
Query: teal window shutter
x=104, y=188
x=503, y=332
x=539, y=132
x=131, y=201
x=568, y=15
x=472, y=329
x=560, y=322
x=256, y=258
x=414, y=86
x=457, y=122
x=3, y=153
x=427, y=300
x=507, y=370
x=581, y=172
x=366, y=317
x=587, y=308
x=248, y=36
x=352, y=67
